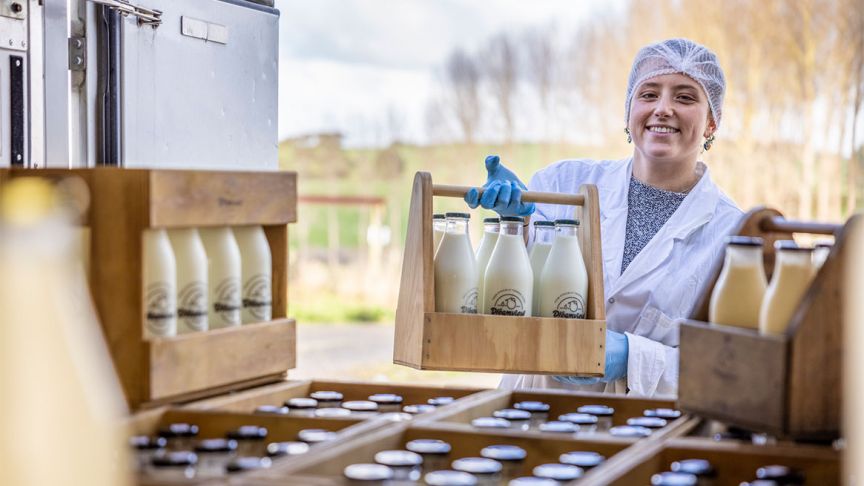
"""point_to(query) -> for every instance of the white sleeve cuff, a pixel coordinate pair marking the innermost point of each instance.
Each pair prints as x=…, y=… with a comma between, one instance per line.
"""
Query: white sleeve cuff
x=652, y=367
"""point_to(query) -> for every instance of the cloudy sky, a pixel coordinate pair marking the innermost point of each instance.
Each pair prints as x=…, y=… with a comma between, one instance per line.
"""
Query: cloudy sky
x=345, y=63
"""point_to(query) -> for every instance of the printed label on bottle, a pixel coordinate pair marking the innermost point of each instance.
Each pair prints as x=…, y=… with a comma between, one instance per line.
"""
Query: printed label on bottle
x=508, y=302
x=159, y=308
x=569, y=305
x=469, y=302
x=227, y=304
x=192, y=306
x=257, y=297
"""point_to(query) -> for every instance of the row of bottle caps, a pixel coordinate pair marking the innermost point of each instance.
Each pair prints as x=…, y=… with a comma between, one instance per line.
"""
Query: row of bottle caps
x=743, y=297
x=207, y=278
x=502, y=278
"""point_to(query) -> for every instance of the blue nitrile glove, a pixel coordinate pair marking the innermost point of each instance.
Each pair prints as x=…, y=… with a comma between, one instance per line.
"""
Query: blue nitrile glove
x=617, y=348
x=502, y=192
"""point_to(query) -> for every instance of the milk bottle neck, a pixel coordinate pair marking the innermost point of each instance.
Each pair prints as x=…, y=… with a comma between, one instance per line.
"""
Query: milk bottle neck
x=491, y=228
x=439, y=224
x=566, y=230
x=746, y=256
x=798, y=258
x=544, y=234
x=457, y=226
x=511, y=228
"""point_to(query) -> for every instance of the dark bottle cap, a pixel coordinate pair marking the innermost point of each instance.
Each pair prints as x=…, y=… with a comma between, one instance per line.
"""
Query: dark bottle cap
x=674, y=479
x=313, y=436
x=664, y=413
x=697, y=467
x=289, y=448
x=560, y=427
x=174, y=459
x=491, y=220
x=428, y=446
x=144, y=442
x=558, y=472
x=248, y=432
x=439, y=401
x=458, y=215
x=368, y=472
x=327, y=396
x=301, y=403
x=360, y=406
x=418, y=409
x=629, y=431
x=548, y=224
x=241, y=464
x=449, y=478
x=533, y=481
x=532, y=406
x=477, y=465
x=179, y=430
x=745, y=241
x=208, y=446
x=566, y=222
x=271, y=410
x=780, y=473
x=385, y=398
x=583, y=459
x=512, y=414
x=438, y=216
x=649, y=422
x=398, y=458
x=598, y=410
x=511, y=219
x=490, y=423
x=790, y=245
x=579, y=418
x=504, y=453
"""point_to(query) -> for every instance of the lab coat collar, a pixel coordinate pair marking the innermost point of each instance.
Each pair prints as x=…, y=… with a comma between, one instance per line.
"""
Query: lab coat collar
x=695, y=210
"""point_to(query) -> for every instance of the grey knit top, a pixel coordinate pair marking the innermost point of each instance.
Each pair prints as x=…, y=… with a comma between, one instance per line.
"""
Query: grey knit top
x=648, y=209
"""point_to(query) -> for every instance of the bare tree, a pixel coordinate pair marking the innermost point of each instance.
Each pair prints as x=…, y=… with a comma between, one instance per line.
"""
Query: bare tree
x=539, y=63
x=462, y=78
x=500, y=68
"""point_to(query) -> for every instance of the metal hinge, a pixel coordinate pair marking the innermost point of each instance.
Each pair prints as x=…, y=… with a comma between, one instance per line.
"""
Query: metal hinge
x=77, y=53
x=145, y=15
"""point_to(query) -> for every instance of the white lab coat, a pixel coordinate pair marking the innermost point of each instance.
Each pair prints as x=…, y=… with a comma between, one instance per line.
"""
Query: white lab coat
x=659, y=286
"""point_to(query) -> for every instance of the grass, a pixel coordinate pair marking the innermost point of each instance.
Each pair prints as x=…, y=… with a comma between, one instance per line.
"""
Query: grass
x=332, y=309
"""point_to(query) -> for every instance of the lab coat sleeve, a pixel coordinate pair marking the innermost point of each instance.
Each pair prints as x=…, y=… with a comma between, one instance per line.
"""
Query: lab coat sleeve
x=652, y=367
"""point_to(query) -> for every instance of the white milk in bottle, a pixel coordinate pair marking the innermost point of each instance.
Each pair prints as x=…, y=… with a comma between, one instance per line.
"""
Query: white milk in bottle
x=737, y=295
x=455, y=269
x=257, y=274
x=793, y=271
x=484, y=251
x=160, y=284
x=544, y=233
x=191, y=279
x=509, y=282
x=439, y=227
x=564, y=279
x=224, y=273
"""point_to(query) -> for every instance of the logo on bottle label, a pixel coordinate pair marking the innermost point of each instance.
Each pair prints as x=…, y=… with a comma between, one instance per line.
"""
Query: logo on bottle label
x=257, y=297
x=192, y=306
x=508, y=302
x=569, y=305
x=469, y=302
x=159, y=308
x=227, y=304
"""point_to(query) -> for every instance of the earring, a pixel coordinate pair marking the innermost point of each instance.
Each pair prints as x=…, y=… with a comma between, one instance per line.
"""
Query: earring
x=708, y=142
x=629, y=138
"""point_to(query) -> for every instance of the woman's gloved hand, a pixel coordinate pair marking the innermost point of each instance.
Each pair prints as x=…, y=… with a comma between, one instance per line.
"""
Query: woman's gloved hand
x=617, y=348
x=502, y=192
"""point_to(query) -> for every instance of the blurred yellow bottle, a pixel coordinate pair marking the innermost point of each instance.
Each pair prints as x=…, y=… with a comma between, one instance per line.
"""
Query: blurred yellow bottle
x=60, y=402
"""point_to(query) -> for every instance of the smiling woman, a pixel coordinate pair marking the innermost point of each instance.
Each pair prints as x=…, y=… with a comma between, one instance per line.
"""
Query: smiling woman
x=663, y=220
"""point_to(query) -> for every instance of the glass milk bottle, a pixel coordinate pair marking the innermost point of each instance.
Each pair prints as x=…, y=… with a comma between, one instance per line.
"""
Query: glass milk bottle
x=509, y=283
x=256, y=275
x=564, y=279
x=737, y=295
x=439, y=227
x=544, y=233
x=793, y=271
x=191, y=279
x=484, y=251
x=223, y=256
x=159, y=284
x=455, y=269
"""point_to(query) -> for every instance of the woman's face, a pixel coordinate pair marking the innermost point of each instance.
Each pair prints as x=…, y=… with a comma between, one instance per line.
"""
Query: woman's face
x=669, y=119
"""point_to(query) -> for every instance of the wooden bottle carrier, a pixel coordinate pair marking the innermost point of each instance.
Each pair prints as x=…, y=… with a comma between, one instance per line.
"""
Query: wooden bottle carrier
x=788, y=385
x=431, y=340
x=126, y=202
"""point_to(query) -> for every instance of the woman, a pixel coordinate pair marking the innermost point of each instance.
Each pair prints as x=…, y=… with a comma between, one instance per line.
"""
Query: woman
x=663, y=220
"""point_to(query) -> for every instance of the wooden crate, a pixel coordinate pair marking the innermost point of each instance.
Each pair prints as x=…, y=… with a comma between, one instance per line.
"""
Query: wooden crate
x=126, y=202
x=431, y=340
x=214, y=424
x=560, y=402
x=733, y=462
x=788, y=385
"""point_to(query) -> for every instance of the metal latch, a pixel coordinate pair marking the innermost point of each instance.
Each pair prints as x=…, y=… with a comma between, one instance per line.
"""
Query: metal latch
x=146, y=16
x=77, y=53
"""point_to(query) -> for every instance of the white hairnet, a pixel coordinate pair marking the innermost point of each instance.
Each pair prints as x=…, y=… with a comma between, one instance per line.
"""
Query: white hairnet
x=679, y=56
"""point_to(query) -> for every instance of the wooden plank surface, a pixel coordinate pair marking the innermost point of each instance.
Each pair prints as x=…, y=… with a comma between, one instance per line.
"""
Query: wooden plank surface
x=198, y=361
x=481, y=342
x=182, y=198
x=590, y=243
x=416, y=286
x=249, y=399
x=733, y=374
x=277, y=239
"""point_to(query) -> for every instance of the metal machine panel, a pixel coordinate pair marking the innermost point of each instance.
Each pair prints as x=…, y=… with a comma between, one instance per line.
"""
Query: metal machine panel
x=200, y=90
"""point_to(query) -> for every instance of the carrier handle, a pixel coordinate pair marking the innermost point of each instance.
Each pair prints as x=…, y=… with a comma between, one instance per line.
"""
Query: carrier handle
x=781, y=224
x=527, y=196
